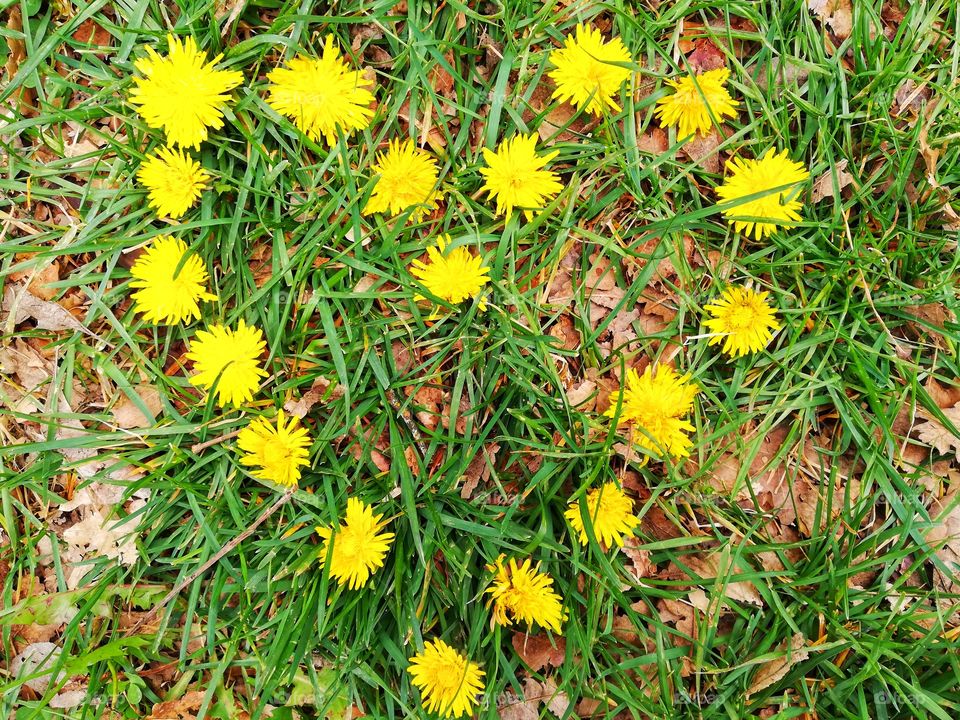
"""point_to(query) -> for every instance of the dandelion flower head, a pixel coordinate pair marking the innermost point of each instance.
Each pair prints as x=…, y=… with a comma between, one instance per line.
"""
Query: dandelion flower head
x=520, y=592
x=322, y=95
x=610, y=512
x=358, y=545
x=448, y=682
x=277, y=452
x=695, y=99
x=170, y=282
x=182, y=93
x=230, y=360
x=516, y=178
x=407, y=177
x=589, y=71
x=452, y=276
x=173, y=180
x=655, y=405
x=774, y=178
x=742, y=319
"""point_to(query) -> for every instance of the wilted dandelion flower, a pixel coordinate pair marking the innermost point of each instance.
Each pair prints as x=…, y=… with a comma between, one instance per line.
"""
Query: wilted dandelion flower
x=774, y=177
x=610, y=512
x=516, y=177
x=453, y=276
x=449, y=683
x=322, y=95
x=742, y=320
x=407, y=178
x=695, y=99
x=522, y=593
x=358, y=545
x=182, y=92
x=229, y=359
x=589, y=71
x=170, y=282
x=279, y=452
x=174, y=181
x=654, y=405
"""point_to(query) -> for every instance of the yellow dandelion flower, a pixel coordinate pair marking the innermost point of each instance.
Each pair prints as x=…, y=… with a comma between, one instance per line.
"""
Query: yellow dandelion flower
x=407, y=177
x=654, y=404
x=697, y=101
x=455, y=276
x=279, y=452
x=774, y=177
x=358, y=545
x=448, y=682
x=322, y=95
x=230, y=360
x=171, y=282
x=590, y=71
x=174, y=181
x=742, y=320
x=610, y=512
x=526, y=594
x=515, y=176
x=182, y=92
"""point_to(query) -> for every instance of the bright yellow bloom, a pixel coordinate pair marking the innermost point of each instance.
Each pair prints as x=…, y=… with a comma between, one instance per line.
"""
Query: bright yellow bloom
x=774, y=177
x=322, y=95
x=229, y=359
x=278, y=451
x=455, y=276
x=449, y=683
x=697, y=100
x=516, y=178
x=171, y=283
x=590, y=71
x=182, y=93
x=610, y=512
x=526, y=594
x=358, y=545
x=742, y=320
x=654, y=404
x=174, y=181
x=407, y=178
x=611, y=515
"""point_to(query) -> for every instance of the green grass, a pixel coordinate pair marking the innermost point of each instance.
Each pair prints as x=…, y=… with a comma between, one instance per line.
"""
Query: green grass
x=265, y=620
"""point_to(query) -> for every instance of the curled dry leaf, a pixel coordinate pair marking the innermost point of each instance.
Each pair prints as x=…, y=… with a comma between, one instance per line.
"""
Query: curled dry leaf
x=945, y=537
x=540, y=651
x=20, y=305
x=129, y=414
x=773, y=671
x=831, y=182
x=938, y=436
x=835, y=14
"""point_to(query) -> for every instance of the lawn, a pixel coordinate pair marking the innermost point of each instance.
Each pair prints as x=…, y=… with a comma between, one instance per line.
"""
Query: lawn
x=789, y=547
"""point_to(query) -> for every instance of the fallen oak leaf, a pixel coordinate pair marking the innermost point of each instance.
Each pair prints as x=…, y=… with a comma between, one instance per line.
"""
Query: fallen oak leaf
x=539, y=651
x=935, y=434
x=21, y=305
x=773, y=671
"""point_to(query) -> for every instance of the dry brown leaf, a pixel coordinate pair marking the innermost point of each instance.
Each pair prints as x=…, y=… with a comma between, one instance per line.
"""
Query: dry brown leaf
x=702, y=149
x=837, y=14
x=945, y=535
x=184, y=708
x=20, y=305
x=827, y=185
x=128, y=414
x=540, y=651
x=938, y=436
x=299, y=408
x=717, y=569
x=775, y=670
x=640, y=565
